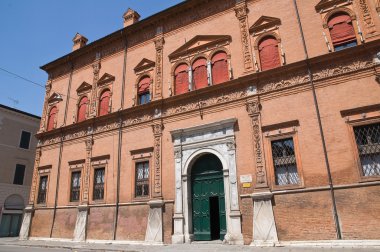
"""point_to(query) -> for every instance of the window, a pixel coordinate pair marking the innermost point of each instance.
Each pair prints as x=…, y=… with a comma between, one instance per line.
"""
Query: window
x=142, y=179
x=82, y=109
x=143, y=90
x=181, y=79
x=200, y=73
x=268, y=53
x=41, y=198
x=104, y=103
x=219, y=68
x=52, y=118
x=284, y=161
x=19, y=174
x=25, y=140
x=341, y=31
x=368, y=143
x=99, y=184
x=75, y=186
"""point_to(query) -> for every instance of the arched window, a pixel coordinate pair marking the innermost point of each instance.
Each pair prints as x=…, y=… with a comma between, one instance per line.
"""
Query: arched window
x=181, y=79
x=269, y=54
x=143, y=92
x=82, y=109
x=200, y=73
x=341, y=31
x=104, y=102
x=51, y=118
x=219, y=68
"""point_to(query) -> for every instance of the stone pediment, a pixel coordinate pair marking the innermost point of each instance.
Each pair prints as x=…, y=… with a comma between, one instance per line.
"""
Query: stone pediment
x=198, y=43
x=55, y=97
x=326, y=4
x=84, y=87
x=106, y=78
x=264, y=22
x=144, y=65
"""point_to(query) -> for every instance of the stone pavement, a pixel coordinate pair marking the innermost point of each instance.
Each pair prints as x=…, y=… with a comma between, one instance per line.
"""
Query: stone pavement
x=14, y=245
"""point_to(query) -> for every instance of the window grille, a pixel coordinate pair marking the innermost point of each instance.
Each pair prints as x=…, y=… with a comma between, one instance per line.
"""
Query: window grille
x=142, y=179
x=99, y=184
x=284, y=161
x=368, y=142
x=75, y=186
x=41, y=198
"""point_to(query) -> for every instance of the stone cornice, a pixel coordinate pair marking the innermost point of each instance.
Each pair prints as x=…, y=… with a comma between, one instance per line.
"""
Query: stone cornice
x=345, y=62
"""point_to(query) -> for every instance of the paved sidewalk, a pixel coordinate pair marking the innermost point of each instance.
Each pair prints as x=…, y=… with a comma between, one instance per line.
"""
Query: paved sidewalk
x=13, y=244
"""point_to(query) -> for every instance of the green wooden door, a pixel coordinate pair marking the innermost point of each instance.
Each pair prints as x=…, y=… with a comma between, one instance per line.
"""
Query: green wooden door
x=209, y=214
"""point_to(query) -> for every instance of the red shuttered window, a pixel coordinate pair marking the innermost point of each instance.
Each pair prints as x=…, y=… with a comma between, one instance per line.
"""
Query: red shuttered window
x=104, y=103
x=51, y=120
x=82, y=109
x=181, y=77
x=341, y=29
x=143, y=90
x=219, y=68
x=200, y=73
x=269, y=55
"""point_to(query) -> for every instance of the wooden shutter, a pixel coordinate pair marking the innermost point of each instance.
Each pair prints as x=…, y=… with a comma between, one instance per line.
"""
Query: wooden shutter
x=51, y=120
x=200, y=73
x=144, y=85
x=341, y=29
x=219, y=68
x=104, y=103
x=82, y=109
x=269, y=55
x=181, y=79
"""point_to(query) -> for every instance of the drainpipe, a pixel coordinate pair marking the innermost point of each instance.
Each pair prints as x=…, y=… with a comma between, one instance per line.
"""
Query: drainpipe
x=335, y=211
x=61, y=149
x=120, y=139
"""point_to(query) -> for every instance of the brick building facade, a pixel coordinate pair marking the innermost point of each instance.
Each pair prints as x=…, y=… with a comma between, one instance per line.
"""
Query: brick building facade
x=252, y=122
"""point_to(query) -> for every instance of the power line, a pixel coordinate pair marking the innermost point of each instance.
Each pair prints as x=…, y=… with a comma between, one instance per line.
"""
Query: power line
x=30, y=81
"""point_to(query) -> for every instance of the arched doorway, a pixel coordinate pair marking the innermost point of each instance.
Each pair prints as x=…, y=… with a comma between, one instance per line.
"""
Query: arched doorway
x=208, y=199
x=12, y=216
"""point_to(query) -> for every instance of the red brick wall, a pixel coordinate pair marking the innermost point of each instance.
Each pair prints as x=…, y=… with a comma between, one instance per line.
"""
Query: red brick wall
x=168, y=223
x=246, y=205
x=132, y=222
x=41, y=223
x=100, y=223
x=304, y=216
x=64, y=223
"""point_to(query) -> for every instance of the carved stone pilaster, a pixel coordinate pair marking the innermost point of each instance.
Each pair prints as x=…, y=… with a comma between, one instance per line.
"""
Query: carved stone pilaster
x=369, y=25
x=86, y=183
x=96, y=69
x=241, y=14
x=44, y=112
x=159, y=44
x=253, y=108
x=35, y=176
x=157, y=132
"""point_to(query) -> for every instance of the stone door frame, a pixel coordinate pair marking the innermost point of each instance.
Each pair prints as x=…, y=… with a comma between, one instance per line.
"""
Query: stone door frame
x=189, y=144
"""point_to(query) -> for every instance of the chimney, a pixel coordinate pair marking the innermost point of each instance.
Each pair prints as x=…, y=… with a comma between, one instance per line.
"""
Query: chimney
x=130, y=17
x=79, y=41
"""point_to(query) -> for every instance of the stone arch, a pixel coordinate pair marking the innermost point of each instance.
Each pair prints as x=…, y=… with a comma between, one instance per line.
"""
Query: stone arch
x=197, y=154
x=14, y=202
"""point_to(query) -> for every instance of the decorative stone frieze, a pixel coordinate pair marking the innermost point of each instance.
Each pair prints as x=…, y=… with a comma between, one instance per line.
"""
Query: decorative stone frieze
x=157, y=132
x=365, y=12
x=96, y=69
x=86, y=182
x=159, y=44
x=45, y=109
x=253, y=109
x=241, y=14
x=35, y=176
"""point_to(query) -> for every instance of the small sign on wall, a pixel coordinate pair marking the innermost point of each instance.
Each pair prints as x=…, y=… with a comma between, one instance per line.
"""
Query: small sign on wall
x=246, y=180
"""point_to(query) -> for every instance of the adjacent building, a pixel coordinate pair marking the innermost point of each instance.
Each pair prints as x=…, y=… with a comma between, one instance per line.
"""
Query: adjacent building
x=17, y=153
x=253, y=122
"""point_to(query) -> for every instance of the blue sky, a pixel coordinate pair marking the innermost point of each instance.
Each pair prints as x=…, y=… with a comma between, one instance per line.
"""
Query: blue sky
x=35, y=32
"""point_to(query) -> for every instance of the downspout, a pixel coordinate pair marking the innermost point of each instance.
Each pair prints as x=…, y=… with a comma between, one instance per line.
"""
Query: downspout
x=120, y=138
x=335, y=211
x=61, y=149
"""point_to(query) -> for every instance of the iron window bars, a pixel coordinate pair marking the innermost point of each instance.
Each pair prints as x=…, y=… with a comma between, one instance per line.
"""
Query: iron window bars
x=142, y=179
x=284, y=161
x=41, y=198
x=368, y=143
x=99, y=184
x=75, y=186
